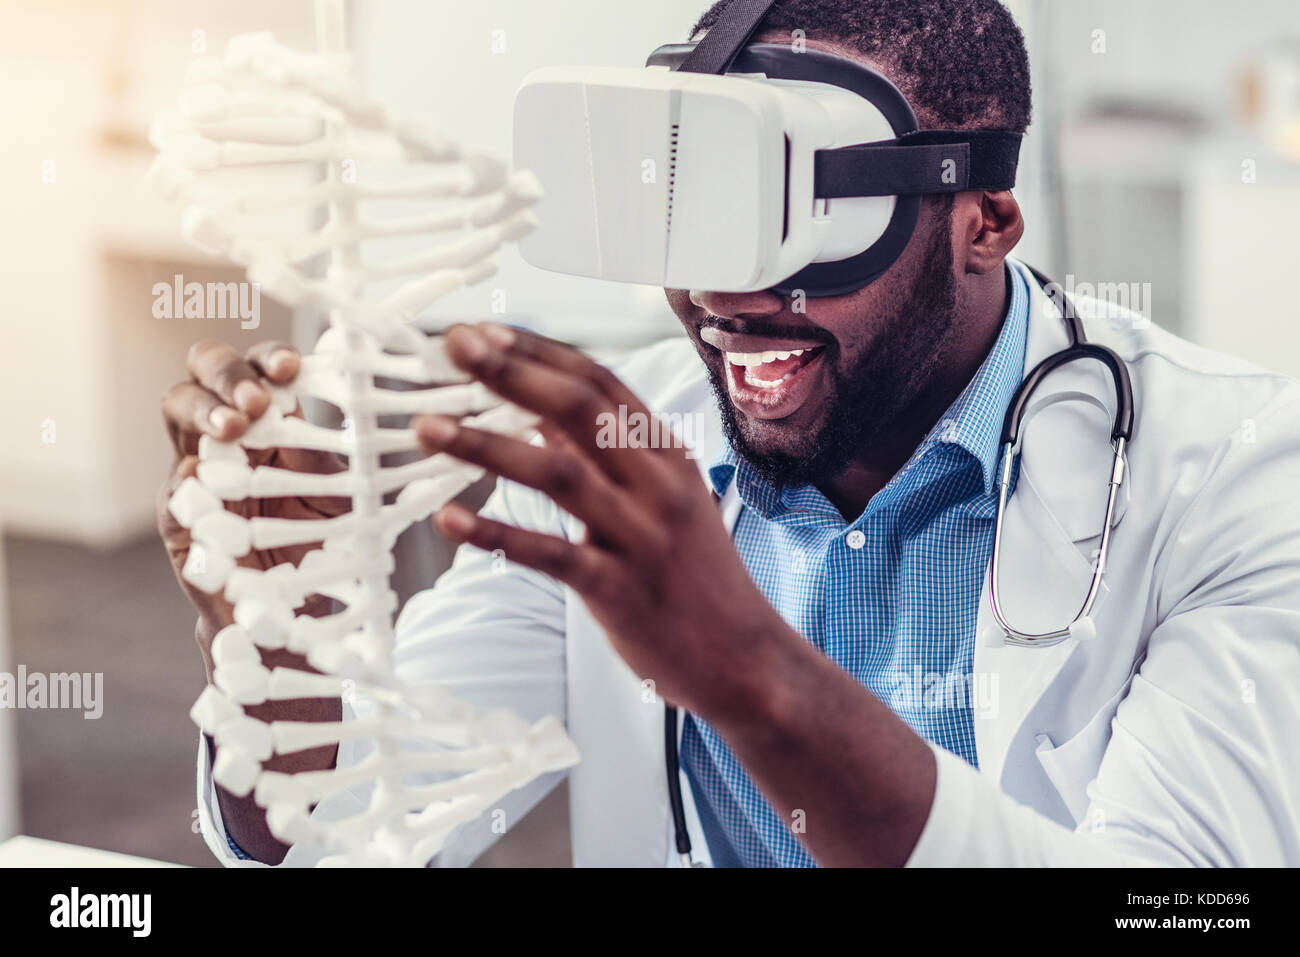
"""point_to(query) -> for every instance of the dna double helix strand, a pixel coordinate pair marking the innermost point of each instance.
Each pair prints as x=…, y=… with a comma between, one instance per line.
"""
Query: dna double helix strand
x=434, y=761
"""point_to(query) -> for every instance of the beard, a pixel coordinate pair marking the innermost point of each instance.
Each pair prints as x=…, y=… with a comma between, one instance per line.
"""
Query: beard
x=867, y=399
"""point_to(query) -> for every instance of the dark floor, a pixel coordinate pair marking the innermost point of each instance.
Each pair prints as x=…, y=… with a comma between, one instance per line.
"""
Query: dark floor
x=125, y=782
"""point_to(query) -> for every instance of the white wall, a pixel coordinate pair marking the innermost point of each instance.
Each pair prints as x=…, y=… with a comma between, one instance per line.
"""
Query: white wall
x=1186, y=52
x=82, y=355
x=1150, y=198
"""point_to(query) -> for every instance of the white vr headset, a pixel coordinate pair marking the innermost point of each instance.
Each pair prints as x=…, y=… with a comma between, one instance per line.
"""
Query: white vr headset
x=796, y=170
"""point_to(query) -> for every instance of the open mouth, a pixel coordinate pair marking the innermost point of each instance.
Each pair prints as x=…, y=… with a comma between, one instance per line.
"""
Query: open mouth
x=767, y=377
x=768, y=370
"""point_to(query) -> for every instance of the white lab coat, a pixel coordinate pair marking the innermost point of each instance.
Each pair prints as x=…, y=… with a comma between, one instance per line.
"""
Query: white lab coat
x=1171, y=738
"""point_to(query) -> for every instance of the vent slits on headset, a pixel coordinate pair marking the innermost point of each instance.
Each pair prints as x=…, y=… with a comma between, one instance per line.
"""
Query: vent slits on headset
x=672, y=170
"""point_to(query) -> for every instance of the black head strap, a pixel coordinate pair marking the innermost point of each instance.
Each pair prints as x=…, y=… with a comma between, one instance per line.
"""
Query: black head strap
x=735, y=25
x=925, y=161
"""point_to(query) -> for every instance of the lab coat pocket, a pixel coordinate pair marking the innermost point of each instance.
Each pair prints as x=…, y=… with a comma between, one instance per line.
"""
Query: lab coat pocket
x=1072, y=766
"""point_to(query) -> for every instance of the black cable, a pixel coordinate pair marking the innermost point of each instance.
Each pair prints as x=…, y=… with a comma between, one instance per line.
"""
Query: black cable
x=674, y=781
x=1073, y=324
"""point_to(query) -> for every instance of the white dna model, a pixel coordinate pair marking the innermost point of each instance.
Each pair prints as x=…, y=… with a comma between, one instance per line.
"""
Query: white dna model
x=435, y=761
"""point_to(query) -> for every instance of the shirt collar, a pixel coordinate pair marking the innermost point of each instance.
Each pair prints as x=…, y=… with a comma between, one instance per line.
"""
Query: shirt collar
x=973, y=422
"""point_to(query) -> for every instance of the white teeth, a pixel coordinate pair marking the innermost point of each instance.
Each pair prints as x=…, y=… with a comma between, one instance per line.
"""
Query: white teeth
x=748, y=360
x=760, y=358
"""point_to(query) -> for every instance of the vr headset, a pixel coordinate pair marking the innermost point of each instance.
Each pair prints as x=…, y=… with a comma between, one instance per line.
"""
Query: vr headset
x=733, y=167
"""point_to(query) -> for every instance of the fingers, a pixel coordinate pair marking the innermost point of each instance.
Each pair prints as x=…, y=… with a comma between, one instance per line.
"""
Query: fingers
x=225, y=393
x=581, y=567
x=190, y=411
x=221, y=370
x=548, y=352
x=174, y=535
x=280, y=363
x=277, y=361
x=563, y=474
x=559, y=384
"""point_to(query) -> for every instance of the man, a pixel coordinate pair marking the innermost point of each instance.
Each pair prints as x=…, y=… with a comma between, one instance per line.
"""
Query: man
x=807, y=628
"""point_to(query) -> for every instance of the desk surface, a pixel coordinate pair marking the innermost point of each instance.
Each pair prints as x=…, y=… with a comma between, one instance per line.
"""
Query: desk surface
x=35, y=852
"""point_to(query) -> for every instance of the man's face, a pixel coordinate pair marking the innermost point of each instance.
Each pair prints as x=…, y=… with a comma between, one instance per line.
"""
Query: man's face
x=803, y=393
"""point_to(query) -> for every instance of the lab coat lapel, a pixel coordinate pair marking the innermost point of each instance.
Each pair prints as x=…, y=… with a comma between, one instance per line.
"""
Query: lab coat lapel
x=1044, y=574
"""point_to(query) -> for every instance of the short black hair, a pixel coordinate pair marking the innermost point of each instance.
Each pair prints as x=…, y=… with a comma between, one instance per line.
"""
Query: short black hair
x=961, y=63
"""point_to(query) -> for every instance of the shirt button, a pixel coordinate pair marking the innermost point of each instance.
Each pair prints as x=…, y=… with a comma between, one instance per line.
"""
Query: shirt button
x=855, y=539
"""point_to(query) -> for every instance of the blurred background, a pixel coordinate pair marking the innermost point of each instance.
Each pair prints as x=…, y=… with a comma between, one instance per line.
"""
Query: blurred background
x=1164, y=162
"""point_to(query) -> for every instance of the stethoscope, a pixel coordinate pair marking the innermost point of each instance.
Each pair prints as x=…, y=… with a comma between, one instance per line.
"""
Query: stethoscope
x=1081, y=628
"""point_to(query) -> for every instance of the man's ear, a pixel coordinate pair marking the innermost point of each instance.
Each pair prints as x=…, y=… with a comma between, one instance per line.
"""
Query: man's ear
x=993, y=227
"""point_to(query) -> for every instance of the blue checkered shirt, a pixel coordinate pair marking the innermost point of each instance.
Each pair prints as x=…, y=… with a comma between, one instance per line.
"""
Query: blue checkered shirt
x=891, y=597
